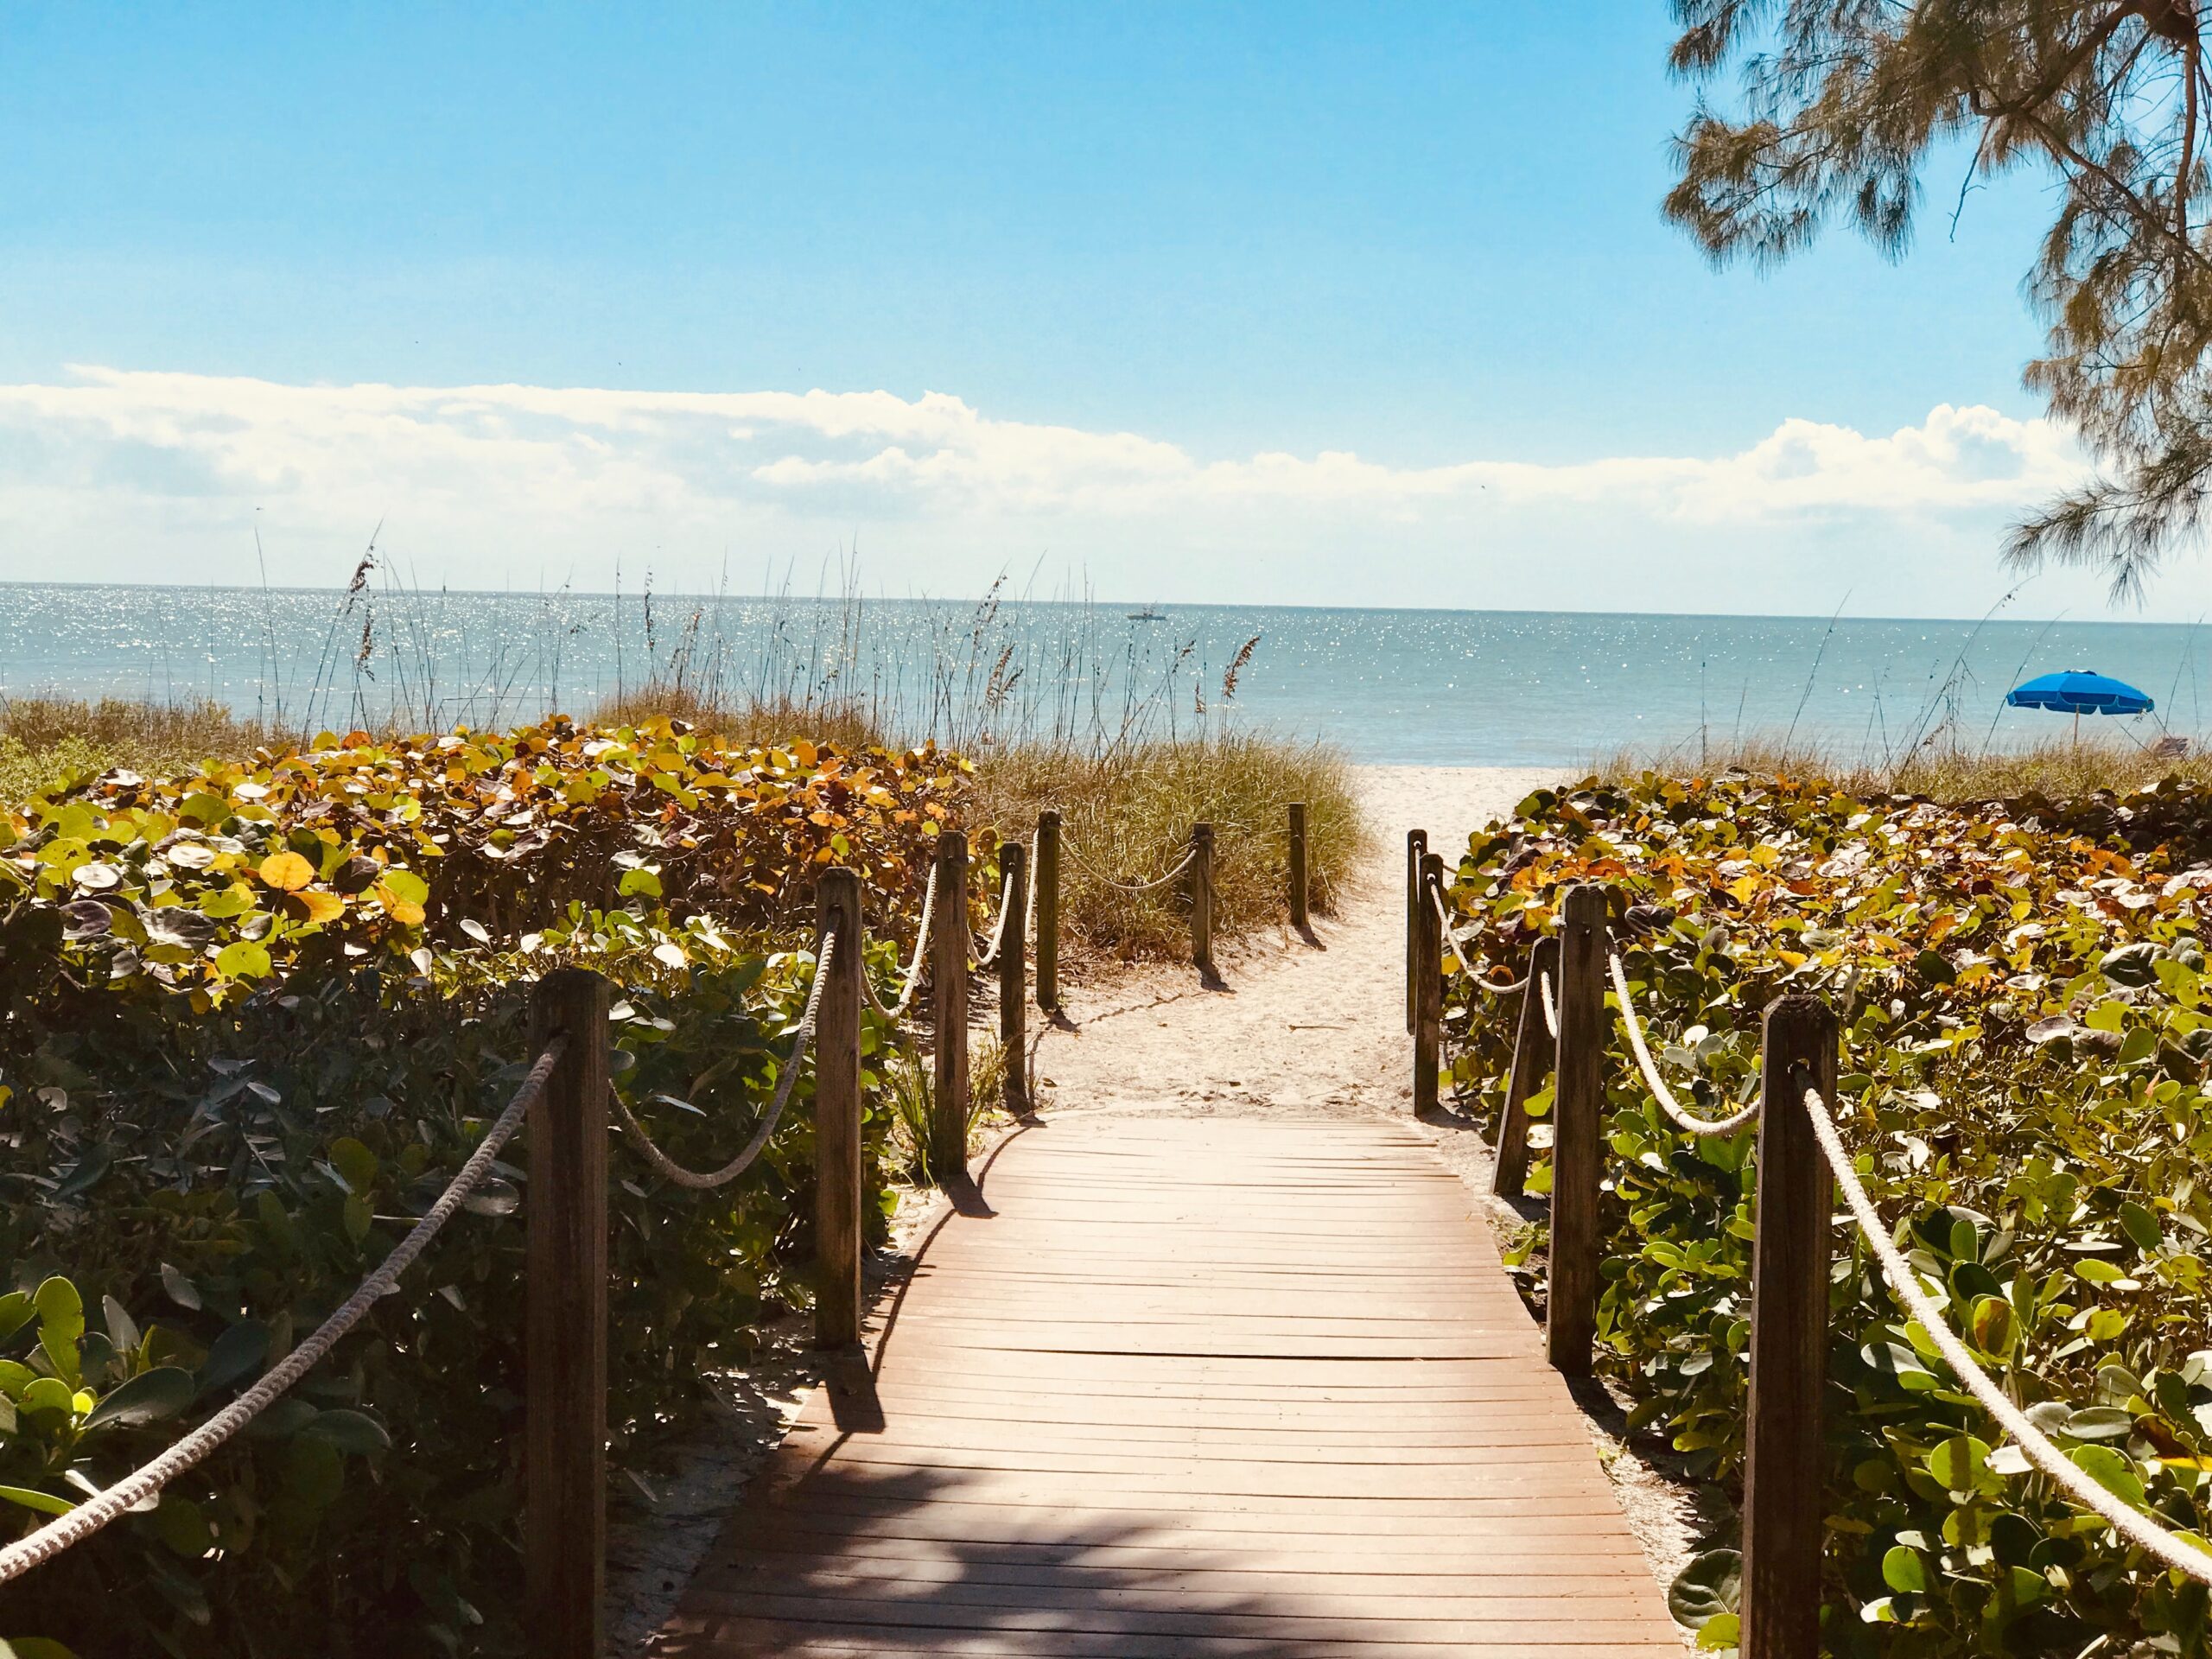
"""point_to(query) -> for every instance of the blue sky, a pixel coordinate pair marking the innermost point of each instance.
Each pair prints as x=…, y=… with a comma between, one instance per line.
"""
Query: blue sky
x=1426, y=235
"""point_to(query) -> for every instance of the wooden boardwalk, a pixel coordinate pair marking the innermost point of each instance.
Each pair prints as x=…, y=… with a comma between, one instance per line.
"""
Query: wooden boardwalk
x=1196, y=1387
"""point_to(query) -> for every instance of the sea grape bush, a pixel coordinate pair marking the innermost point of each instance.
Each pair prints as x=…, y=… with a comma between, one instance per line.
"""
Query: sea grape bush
x=209, y=884
x=199, y=1165
x=2027, y=1027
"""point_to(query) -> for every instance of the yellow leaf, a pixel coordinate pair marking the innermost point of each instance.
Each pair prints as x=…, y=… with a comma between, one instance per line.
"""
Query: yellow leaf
x=287, y=872
x=323, y=906
x=1743, y=888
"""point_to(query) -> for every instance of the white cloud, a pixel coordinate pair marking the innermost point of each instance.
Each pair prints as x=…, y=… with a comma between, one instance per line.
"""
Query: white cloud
x=125, y=475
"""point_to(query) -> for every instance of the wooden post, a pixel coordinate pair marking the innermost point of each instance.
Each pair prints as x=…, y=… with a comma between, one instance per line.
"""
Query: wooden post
x=1202, y=898
x=948, y=947
x=1014, y=990
x=837, y=1117
x=1300, y=917
x=1790, y=1339
x=1047, y=877
x=1577, y=1112
x=1416, y=849
x=1534, y=1051
x=564, y=1325
x=1429, y=993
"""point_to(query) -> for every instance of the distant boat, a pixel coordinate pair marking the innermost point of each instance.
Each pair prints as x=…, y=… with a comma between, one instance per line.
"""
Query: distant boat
x=1147, y=614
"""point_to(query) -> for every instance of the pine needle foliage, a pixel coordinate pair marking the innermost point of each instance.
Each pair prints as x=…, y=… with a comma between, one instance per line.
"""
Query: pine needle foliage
x=1842, y=104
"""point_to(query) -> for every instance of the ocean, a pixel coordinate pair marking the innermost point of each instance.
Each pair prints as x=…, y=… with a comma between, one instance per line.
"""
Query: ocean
x=1453, y=688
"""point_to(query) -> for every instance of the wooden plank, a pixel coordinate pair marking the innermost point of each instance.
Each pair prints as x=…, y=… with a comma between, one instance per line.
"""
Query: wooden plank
x=1192, y=1388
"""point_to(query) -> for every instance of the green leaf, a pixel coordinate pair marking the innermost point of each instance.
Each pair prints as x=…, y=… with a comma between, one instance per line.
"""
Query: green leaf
x=1720, y=1633
x=149, y=1398
x=1905, y=1570
x=355, y=1164
x=242, y=959
x=639, y=882
x=31, y=1499
x=61, y=1326
x=1995, y=1325
x=35, y=1647
x=1959, y=1464
x=405, y=884
x=2140, y=1225
x=1712, y=1584
x=182, y=1525
x=16, y=1311
x=237, y=1353
x=350, y=1431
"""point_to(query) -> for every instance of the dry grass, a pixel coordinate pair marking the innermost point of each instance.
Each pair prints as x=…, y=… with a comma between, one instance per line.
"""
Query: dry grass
x=2058, y=768
x=1128, y=815
x=45, y=738
x=846, y=725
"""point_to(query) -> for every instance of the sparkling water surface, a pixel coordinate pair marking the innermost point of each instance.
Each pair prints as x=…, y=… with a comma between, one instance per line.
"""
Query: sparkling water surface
x=1457, y=688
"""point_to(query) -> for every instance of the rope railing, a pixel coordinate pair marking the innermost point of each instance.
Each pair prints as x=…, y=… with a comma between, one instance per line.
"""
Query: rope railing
x=135, y=1489
x=2130, y=1523
x=1688, y=1121
x=1451, y=938
x=988, y=955
x=1802, y=1164
x=1073, y=851
x=707, y=1180
x=913, y=976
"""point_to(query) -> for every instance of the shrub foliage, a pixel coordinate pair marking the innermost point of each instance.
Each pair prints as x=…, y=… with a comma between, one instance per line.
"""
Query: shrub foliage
x=2027, y=1025
x=255, y=1018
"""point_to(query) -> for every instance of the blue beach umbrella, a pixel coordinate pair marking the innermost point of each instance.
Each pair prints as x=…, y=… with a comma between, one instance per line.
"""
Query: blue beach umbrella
x=2078, y=691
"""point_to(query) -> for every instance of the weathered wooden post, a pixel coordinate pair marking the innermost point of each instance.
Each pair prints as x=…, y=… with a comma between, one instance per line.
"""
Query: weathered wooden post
x=1300, y=917
x=564, y=1324
x=1202, y=897
x=1429, y=993
x=837, y=1117
x=1416, y=849
x=1577, y=1112
x=1047, y=877
x=1782, y=1508
x=1014, y=988
x=948, y=947
x=1534, y=1051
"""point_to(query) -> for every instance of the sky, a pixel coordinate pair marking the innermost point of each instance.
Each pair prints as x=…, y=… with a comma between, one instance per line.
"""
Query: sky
x=1310, y=304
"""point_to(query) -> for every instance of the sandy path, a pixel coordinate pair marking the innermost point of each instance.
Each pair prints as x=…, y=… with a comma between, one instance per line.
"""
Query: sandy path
x=1294, y=1028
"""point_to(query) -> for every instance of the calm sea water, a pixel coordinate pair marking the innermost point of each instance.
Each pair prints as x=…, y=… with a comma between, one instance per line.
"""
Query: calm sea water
x=1467, y=687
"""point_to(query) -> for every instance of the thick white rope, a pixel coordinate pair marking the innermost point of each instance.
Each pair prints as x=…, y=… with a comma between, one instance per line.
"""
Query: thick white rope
x=1120, y=886
x=668, y=1168
x=1684, y=1119
x=1029, y=909
x=989, y=954
x=1451, y=938
x=2129, y=1524
x=1551, y=1009
x=127, y=1494
x=921, y=955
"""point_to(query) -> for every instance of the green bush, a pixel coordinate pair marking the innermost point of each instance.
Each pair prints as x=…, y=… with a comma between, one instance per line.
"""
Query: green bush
x=206, y=1191
x=2027, y=1025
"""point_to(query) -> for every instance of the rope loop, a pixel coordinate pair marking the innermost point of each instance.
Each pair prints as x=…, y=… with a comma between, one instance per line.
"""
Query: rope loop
x=704, y=1181
x=134, y=1490
x=1068, y=846
x=1436, y=898
x=1685, y=1120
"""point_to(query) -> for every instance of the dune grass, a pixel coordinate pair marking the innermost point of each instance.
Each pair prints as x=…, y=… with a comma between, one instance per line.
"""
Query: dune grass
x=1127, y=815
x=2058, y=767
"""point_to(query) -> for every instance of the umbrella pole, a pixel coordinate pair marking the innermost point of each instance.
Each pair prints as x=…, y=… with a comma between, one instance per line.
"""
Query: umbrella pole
x=2077, y=728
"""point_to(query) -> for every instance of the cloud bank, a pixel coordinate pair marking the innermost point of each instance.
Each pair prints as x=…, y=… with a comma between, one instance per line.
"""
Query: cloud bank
x=118, y=474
